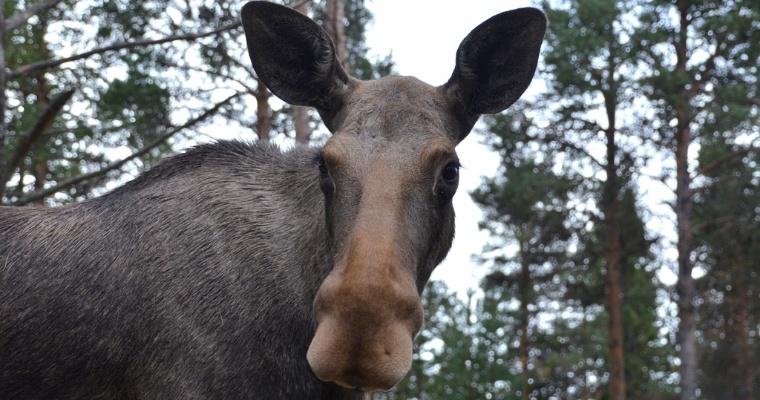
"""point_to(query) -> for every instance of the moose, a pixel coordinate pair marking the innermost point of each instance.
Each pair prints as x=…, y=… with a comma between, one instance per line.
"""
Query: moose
x=239, y=270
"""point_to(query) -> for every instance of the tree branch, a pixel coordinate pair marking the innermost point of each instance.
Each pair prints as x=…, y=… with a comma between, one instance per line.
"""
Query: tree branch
x=566, y=145
x=34, y=9
x=217, y=74
x=716, y=221
x=27, y=143
x=118, y=164
x=719, y=181
x=48, y=64
x=299, y=4
x=726, y=157
x=589, y=125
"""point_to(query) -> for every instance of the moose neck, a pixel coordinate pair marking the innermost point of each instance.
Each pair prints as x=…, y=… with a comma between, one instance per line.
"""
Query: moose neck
x=281, y=195
x=267, y=206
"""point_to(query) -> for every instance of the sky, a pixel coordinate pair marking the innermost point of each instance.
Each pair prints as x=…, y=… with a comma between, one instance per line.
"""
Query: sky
x=423, y=37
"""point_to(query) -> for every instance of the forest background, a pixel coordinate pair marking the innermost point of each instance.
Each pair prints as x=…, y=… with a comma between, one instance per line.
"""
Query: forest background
x=623, y=218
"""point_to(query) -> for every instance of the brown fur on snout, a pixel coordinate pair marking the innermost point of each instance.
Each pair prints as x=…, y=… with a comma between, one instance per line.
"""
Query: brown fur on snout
x=368, y=309
x=365, y=333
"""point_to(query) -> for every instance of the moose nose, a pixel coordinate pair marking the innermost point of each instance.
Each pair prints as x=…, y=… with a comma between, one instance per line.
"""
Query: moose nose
x=365, y=332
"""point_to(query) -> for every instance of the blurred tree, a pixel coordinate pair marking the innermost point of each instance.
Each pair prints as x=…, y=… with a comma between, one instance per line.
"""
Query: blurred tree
x=98, y=91
x=358, y=18
x=457, y=357
x=727, y=224
x=301, y=118
x=581, y=126
x=647, y=354
x=701, y=61
x=544, y=215
x=525, y=206
x=585, y=53
x=99, y=87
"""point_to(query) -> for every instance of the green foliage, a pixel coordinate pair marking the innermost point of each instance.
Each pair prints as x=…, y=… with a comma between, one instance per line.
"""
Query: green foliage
x=720, y=63
x=141, y=99
x=543, y=210
x=122, y=99
x=727, y=211
x=462, y=351
x=527, y=205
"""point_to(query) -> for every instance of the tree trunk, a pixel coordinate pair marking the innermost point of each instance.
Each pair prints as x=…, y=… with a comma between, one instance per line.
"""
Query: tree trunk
x=524, y=291
x=737, y=331
x=334, y=27
x=420, y=382
x=613, y=259
x=301, y=124
x=687, y=346
x=263, y=120
x=40, y=177
x=747, y=387
x=301, y=113
x=685, y=285
x=42, y=100
x=613, y=253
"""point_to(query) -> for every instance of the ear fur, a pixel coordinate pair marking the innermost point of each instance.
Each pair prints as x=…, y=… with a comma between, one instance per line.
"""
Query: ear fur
x=294, y=57
x=495, y=63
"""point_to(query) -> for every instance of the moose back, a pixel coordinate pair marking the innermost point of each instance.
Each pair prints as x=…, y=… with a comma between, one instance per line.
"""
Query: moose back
x=242, y=271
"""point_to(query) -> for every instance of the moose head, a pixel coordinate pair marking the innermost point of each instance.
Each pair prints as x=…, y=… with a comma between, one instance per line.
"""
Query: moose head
x=388, y=175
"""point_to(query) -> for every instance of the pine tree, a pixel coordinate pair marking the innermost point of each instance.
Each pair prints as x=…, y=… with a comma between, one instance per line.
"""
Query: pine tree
x=97, y=92
x=702, y=58
x=455, y=357
x=594, y=34
x=727, y=217
x=349, y=39
x=525, y=208
x=88, y=82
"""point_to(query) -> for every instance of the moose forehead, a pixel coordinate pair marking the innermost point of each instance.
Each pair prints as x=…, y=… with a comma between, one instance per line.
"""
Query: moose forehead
x=410, y=161
x=397, y=108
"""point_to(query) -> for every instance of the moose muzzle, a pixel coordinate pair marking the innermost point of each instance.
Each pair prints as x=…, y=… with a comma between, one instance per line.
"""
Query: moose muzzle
x=368, y=312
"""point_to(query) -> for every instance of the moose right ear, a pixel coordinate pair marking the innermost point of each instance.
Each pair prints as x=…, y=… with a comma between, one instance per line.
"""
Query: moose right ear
x=294, y=57
x=495, y=64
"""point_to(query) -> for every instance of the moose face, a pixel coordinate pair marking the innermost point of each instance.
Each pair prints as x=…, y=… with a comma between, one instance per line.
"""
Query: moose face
x=388, y=175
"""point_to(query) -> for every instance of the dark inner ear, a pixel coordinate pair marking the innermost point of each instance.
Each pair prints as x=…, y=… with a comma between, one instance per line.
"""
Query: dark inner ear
x=495, y=64
x=293, y=56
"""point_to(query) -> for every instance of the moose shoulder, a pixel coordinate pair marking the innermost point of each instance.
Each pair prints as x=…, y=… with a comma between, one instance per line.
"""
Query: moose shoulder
x=241, y=271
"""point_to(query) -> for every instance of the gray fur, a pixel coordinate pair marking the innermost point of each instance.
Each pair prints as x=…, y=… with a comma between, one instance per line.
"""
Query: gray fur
x=178, y=285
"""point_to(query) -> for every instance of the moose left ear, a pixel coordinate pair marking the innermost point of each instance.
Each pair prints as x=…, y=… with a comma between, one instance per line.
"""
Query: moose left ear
x=294, y=57
x=495, y=64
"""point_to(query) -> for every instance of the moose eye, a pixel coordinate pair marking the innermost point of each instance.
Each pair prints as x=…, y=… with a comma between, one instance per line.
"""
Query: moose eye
x=451, y=172
x=322, y=167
